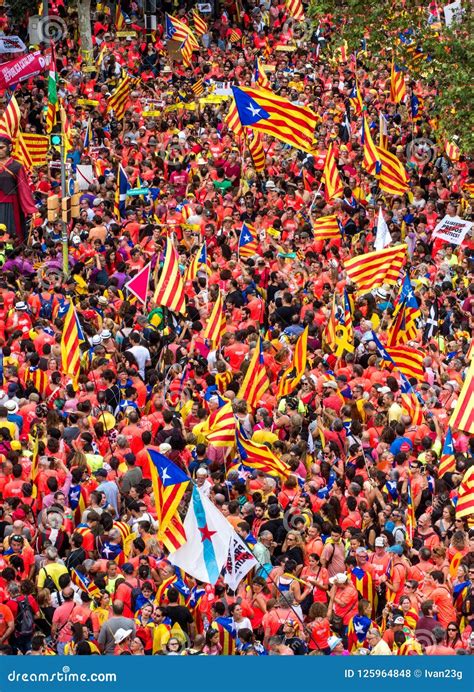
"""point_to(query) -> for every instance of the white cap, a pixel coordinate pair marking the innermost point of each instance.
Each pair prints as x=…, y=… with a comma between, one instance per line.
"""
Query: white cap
x=105, y=334
x=164, y=448
x=21, y=305
x=384, y=390
x=339, y=578
x=331, y=384
x=380, y=542
x=11, y=406
x=333, y=642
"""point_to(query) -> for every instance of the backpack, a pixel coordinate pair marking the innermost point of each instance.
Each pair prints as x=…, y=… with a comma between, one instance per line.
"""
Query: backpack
x=49, y=582
x=46, y=309
x=136, y=592
x=24, y=622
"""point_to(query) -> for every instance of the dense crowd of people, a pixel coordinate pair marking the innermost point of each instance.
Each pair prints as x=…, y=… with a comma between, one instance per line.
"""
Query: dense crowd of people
x=338, y=571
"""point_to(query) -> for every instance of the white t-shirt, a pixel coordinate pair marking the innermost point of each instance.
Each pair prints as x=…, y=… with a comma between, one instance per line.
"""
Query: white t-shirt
x=142, y=356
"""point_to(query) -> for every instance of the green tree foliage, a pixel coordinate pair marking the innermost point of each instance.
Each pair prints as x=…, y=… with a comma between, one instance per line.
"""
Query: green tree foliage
x=444, y=62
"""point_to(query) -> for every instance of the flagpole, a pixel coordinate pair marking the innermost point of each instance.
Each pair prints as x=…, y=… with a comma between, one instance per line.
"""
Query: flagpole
x=64, y=238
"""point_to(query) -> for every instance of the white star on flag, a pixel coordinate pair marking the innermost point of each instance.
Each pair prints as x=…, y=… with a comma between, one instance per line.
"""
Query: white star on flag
x=253, y=110
x=164, y=475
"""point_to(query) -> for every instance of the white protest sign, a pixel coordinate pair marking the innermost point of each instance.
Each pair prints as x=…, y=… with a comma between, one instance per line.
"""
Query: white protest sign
x=453, y=229
x=453, y=13
x=84, y=176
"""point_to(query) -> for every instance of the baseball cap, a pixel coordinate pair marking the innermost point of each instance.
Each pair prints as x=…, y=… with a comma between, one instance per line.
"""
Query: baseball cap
x=384, y=390
x=333, y=642
x=397, y=549
x=399, y=620
x=379, y=542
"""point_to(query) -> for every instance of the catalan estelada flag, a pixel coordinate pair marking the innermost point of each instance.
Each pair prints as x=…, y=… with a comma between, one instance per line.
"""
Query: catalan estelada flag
x=169, y=291
x=200, y=25
x=355, y=99
x=371, y=161
x=407, y=311
x=177, y=30
x=376, y=268
x=293, y=374
x=215, y=326
x=84, y=583
x=119, y=18
x=465, y=503
x=248, y=241
x=326, y=228
x=462, y=417
x=295, y=10
x=392, y=176
x=70, y=351
x=397, y=84
x=333, y=186
x=119, y=99
x=363, y=582
x=260, y=457
x=259, y=77
x=255, y=382
x=408, y=360
x=169, y=485
x=255, y=147
x=276, y=116
x=199, y=260
x=447, y=460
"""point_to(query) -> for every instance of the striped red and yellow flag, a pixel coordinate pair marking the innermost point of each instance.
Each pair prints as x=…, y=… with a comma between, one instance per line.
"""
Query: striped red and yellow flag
x=199, y=260
x=200, y=25
x=412, y=407
x=34, y=148
x=260, y=78
x=452, y=151
x=465, y=503
x=376, y=268
x=329, y=331
x=38, y=378
x=215, y=326
x=408, y=360
x=187, y=48
x=119, y=99
x=333, y=186
x=21, y=153
x=371, y=158
x=447, y=460
x=169, y=486
x=232, y=120
x=255, y=147
x=70, y=351
x=462, y=417
x=255, y=382
x=10, y=120
x=260, y=457
x=276, y=116
x=295, y=10
x=326, y=228
x=222, y=431
x=293, y=374
x=198, y=87
x=179, y=31
x=169, y=291
x=397, y=84
x=392, y=177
